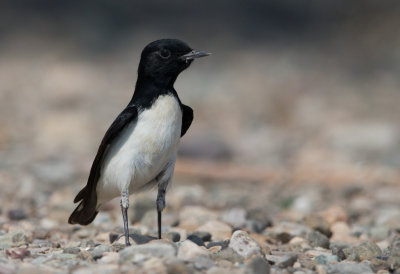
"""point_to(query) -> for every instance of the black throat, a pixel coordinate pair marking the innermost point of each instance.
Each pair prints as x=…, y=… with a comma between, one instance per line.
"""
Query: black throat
x=148, y=89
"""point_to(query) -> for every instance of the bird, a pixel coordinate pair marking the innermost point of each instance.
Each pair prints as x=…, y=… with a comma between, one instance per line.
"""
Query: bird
x=139, y=149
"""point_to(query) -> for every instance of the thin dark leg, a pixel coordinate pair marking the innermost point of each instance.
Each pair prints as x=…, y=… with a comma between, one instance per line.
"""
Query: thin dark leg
x=160, y=207
x=159, y=224
x=126, y=228
x=124, y=208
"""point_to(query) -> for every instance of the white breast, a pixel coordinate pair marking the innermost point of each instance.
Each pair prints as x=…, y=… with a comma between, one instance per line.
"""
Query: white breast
x=143, y=149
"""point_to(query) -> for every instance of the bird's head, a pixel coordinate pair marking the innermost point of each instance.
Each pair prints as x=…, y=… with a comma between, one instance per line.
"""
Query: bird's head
x=164, y=59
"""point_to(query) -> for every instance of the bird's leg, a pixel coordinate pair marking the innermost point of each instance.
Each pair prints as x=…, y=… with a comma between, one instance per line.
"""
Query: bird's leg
x=124, y=208
x=160, y=207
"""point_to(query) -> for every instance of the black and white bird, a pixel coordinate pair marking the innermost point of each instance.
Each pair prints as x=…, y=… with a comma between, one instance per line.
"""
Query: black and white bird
x=139, y=149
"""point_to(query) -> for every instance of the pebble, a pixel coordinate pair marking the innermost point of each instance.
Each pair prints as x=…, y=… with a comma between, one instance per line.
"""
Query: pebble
x=71, y=250
x=189, y=251
x=219, y=230
x=13, y=239
x=203, y=262
x=109, y=258
x=365, y=251
x=41, y=233
x=394, y=257
x=157, y=248
x=316, y=238
x=258, y=265
x=204, y=235
x=283, y=260
x=17, y=214
x=349, y=268
x=244, y=245
x=323, y=259
x=257, y=220
x=173, y=236
x=196, y=239
x=227, y=254
x=99, y=250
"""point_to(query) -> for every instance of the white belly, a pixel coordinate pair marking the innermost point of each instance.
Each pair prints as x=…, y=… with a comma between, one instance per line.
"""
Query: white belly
x=143, y=149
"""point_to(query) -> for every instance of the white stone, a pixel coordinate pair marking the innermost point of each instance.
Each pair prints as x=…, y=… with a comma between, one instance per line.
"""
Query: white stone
x=189, y=251
x=244, y=245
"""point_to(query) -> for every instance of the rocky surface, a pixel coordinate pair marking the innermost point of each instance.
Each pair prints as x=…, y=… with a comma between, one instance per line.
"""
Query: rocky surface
x=209, y=235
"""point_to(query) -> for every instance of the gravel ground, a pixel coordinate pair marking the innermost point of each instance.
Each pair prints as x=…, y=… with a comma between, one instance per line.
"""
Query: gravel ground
x=210, y=226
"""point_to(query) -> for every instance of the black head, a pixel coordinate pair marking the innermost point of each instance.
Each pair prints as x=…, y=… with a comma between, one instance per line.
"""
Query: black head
x=162, y=60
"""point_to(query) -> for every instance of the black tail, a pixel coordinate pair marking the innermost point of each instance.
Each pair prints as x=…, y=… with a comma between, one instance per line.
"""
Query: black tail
x=86, y=211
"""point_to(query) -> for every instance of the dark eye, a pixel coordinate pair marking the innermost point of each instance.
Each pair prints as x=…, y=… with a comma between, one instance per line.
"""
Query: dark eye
x=165, y=54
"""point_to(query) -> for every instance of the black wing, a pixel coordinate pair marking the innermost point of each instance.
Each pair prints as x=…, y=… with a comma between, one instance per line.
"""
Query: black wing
x=187, y=118
x=127, y=115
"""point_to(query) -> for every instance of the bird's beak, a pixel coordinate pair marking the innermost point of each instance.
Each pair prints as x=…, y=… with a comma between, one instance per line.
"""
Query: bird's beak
x=193, y=55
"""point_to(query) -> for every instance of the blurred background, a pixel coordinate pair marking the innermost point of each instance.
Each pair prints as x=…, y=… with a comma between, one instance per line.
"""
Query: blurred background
x=304, y=91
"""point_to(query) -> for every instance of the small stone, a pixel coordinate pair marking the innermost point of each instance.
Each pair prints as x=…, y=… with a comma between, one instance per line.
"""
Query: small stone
x=222, y=244
x=17, y=214
x=214, y=249
x=204, y=235
x=338, y=249
x=196, y=239
x=157, y=248
x=236, y=217
x=189, y=251
x=244, y=245
x=13, y=239
x=99, y=250
x=227, y=254
x=141, y=239
x=323, y=259
x=218, y=230
x=259, y=266
x=365, y=251
x=203, y=262
x=109, y=258
x=113, y=237
x=394, y=257
x=71, y=250
x=18, y=253
x=283, y=237
x=348, y=268
x=41, y=233
x=173, y=236
x=316, y=238
x=283, y=260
